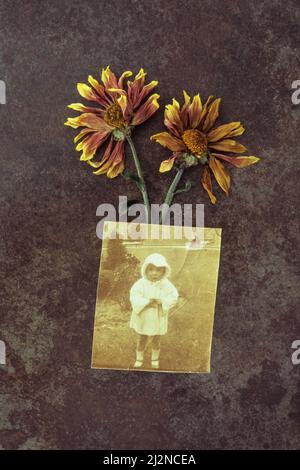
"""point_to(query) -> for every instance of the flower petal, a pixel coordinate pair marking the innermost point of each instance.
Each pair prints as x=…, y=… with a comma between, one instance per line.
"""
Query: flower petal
x=89, y=145
x=104, y=99
x=125, y=106
x=228, y=145
x=140, y=76
x=194, y=111
x=145, y=92
x=111, y=163
x=81, y=134
x=169, y=141
x=89, y=120
x=85, y=109
x=116, y=169
x=172, y=116
x=108, y=78
x=167, y=165
x=206, y=183
x=124, y=75
x=72, y=122
x=226, y=130
x=212, y=115
x=119, y=91
x=135, y=87
x=146, y=110
x=88, y=93
x=239, y=162
x=204, y=109
x=237, y=132
x=172, y=128
x=105, y=156
x=222, y=177
x=118, y=163
x=184, y=110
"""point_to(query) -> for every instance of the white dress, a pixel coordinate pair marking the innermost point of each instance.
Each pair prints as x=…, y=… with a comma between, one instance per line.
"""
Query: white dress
x=151, y=321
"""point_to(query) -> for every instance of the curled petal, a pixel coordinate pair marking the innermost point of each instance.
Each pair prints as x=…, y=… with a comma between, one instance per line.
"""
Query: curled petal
x=145, y=92
x=194, y=111
x=206, y=183
x=135, y=88
x=111, y=163
x=212, y=115
x=72, y=122
x=204, y=109
x=108, y=78
x=82, y=133
x=172, y=128
x=222, y=177
x=239, y=162
x=139, y=79
x=146, y=110
x=85, y=109
x=89, y=120
x=105, y=156
x=226, y=130
x=184, y=109
x=89, y=145
x=116, y=169
x=118, y=162
x=124, y=75
x=167, y=165
x=237, y=132
x=88, y=93
x=169, y=141
x=172, y=116
x=100, y=91
x=96, y=85
x=125, y=106
x=228, y=145
x=119, y=91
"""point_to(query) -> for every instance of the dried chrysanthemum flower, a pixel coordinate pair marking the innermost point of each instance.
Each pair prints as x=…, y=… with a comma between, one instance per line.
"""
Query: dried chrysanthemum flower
x=193, y=139
x=119, y=106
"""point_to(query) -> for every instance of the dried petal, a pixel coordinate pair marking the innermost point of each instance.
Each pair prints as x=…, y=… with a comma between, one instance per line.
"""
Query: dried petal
x=228, y=145
x=239, y=162
x=167, y=140
x=167, y=165
x=226, y=130
x=206, y=183
x=220, y=174
x=212, y=115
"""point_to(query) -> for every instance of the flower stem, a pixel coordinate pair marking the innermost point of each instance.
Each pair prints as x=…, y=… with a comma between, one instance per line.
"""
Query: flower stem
x=142, y=185
x=171, y=192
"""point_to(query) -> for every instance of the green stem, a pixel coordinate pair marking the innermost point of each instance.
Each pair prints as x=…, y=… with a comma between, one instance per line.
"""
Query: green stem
x=142, y=186
x=171, y=191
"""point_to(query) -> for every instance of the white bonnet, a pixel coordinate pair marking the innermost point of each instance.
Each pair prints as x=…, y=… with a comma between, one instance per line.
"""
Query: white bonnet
x=158, y=261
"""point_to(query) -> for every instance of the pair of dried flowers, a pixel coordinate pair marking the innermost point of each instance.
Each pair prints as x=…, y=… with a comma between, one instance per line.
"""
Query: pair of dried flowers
x=122, y=104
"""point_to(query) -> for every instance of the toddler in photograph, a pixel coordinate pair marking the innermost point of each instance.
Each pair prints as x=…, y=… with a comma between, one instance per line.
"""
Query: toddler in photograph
x=151, y=297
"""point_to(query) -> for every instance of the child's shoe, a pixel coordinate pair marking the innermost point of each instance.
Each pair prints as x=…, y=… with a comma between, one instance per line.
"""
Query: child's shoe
x=155, y=359
x=139, y=360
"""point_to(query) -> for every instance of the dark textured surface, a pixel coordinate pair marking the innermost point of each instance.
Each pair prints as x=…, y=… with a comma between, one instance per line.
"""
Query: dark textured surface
x=245, y=52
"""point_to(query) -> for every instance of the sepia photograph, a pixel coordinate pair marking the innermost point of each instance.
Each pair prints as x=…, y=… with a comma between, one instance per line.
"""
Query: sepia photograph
x=156, y=298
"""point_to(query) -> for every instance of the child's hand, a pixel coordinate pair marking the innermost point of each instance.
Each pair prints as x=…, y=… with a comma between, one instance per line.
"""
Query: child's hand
x=155, y=302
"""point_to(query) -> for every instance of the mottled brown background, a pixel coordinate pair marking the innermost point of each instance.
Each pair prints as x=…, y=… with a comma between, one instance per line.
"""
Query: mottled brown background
x=245, y=52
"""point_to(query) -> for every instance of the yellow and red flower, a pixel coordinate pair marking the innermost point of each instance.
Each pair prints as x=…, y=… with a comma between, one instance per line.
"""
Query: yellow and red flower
x=193, y=139
x=118, y=108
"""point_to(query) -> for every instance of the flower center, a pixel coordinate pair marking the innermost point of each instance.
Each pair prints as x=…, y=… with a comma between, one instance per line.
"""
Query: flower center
x=195, y=141
x=114, y=116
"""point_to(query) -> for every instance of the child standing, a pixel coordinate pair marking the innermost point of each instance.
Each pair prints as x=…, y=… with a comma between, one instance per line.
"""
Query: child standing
x=151, y=298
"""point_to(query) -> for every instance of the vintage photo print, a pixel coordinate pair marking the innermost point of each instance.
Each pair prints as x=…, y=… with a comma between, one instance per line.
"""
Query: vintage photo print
x=156, y=298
